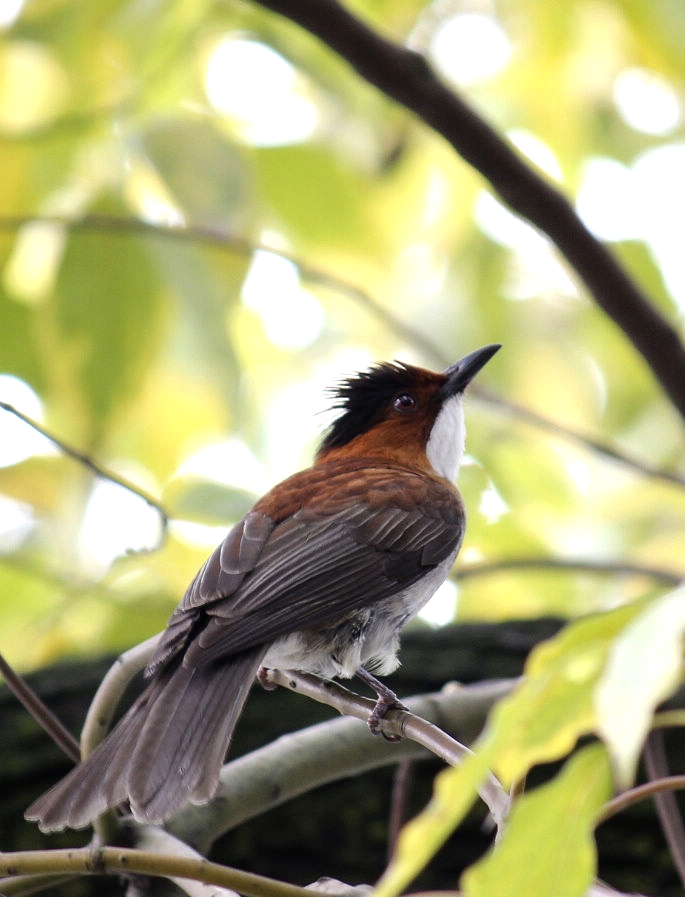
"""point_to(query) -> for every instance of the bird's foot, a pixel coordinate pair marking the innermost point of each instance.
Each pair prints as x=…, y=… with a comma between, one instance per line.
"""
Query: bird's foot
x=264, y=681
x=386, y=700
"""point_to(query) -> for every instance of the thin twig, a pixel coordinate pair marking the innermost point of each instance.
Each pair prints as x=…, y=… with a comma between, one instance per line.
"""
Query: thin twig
x=582, y=565
x=39, y=711
x=221, y=239
x=668, y=719
x=641, y=792
x=399, y=799
x=667, y=810
x=527, y=415
x=85, y=460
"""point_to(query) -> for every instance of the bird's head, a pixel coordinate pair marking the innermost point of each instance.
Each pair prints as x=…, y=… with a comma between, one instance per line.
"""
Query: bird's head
x=406, y=413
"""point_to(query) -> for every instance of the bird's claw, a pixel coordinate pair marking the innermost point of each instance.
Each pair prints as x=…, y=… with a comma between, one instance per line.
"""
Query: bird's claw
x=264, y=681
x=386, y=700
x=383, y=704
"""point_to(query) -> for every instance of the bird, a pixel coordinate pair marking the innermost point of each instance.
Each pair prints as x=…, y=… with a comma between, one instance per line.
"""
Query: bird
x=320, y=576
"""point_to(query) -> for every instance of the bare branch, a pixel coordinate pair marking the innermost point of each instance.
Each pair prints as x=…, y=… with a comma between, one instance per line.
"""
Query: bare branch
x=101, y=711
x=395, y=722
x=667, y=809
x=406, y=77
x=39, y=711
x=399, y=799
x=527, y=415
x=641, y=792
x=581, y=565
x=23, y=885
x=110, y=691
x=150, y=838
x=86, y=461
x=212, y=236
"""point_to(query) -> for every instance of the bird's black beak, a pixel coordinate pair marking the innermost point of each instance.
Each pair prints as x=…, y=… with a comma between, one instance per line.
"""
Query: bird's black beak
x=460, y=374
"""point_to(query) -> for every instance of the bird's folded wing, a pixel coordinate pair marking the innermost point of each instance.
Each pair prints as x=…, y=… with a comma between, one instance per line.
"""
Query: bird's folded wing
x=313, y=569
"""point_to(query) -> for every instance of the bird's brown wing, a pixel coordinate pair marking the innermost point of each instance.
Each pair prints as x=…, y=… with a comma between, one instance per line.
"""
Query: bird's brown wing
x=318, y=565
x=284, y=567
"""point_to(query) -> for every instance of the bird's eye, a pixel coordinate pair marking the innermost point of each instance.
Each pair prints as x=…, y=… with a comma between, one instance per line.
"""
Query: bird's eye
x=405, y=401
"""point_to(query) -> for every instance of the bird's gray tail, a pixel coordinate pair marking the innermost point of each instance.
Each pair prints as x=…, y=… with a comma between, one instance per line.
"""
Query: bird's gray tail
x=166, y=750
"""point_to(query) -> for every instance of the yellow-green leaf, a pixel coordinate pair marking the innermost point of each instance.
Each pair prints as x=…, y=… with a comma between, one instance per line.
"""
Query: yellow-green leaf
x=554, y=704
x=643, y=668
x=548, y=848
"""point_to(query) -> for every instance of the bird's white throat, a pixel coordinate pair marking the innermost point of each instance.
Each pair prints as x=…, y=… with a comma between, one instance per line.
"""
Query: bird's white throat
x=445, y=448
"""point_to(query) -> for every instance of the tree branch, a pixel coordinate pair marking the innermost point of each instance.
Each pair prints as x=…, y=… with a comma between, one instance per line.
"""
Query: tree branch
x=405, y=76
x=151, y=839
x=398, y=723
x=304, y=760
x=399, y=799
x=86, y=461
x=109, y=693
x=527, y=415
x=23, y=885
x=667, y=808
x=42, y=714
x=641, y=792
x=330, y=751
x=127, y=861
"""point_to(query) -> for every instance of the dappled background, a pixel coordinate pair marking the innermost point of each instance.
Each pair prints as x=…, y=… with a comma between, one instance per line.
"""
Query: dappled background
x=206, y=217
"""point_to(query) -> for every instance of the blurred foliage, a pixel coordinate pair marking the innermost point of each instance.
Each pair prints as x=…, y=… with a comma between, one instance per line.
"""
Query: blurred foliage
x=206, y=217
x=581, y=681
x=148, y=344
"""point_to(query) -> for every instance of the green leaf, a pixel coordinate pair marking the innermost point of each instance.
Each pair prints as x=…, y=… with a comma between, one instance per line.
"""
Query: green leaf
x=540, y=721
x=644, y=667
x=205, y=501
x=202, y=169
x=554, y=704
x=548, y=848
x=19, y=354
x=303, y=184
x=27, y=599
x=109, y=316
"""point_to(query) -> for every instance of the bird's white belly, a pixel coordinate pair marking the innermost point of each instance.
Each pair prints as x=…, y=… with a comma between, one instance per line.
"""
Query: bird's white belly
x=370, y=638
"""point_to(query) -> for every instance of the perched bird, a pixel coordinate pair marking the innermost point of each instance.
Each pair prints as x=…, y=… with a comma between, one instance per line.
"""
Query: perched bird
x=320, y=576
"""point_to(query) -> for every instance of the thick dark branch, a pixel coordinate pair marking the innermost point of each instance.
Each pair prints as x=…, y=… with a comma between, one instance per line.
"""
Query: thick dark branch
x=406, y=77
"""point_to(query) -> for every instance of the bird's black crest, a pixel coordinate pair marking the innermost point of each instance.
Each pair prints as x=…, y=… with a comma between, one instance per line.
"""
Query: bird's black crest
x=362, y=398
